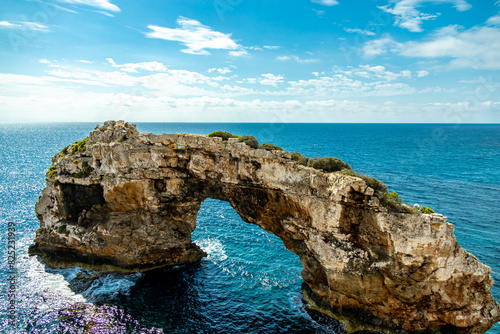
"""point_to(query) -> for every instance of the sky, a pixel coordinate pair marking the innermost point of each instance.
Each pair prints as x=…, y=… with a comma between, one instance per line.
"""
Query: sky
x=335, y=61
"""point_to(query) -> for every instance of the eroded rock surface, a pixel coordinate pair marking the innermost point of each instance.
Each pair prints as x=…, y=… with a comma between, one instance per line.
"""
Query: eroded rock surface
x=127, y=200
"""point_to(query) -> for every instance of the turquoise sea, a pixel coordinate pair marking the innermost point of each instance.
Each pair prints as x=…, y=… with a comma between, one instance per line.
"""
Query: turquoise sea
x=249, y=283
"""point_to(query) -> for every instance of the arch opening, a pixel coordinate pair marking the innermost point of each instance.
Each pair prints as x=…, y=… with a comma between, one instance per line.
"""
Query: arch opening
x=250, y=280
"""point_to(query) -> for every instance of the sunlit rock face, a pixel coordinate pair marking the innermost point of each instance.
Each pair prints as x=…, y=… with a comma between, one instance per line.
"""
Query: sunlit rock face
x=124, y=200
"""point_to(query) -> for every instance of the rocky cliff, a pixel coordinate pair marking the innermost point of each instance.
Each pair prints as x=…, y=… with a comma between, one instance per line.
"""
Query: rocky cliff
x=123, y=200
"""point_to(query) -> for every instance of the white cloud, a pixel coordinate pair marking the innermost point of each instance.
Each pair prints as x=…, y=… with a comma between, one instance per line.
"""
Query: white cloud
x=326, y=2
x=251, y=81
x=35, y=26
x=487, y=82
x=181, y=95
x=407, y=15
x=224, y=70
x=377, y=73
x=494, y=20
x=272, y=47
x=104, y=13
x=379, y=47
x=28, y=26
x=365, y=80
x=83, y=61
x=476, y=48
x=360, y=31
x=101, y=4
x=238, y=53
x=422, y=73
x=297, y=59
x=317, y=74
x=283, y=58
x=405, y=74
x=271, y=79
x=152, y=66
x=104, y=79
x=196, y=37
x=49, y=63
x=5, y=24
x=41, y=100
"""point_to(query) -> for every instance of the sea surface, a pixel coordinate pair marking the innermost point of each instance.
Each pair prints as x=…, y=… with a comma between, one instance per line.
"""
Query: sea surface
x=249, y=283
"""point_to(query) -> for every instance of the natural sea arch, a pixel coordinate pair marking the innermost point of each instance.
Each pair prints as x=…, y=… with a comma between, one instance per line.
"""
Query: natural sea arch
x=126, y=200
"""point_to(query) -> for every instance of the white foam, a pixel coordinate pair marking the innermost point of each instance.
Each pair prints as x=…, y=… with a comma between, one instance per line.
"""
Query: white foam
x=214, y=249
x=110, y=286
x=53, y=286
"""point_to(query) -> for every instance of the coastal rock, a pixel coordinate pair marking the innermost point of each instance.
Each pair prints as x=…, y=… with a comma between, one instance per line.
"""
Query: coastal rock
x=124, y=200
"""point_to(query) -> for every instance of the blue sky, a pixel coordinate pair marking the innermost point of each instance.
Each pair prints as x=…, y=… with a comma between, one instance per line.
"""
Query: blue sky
x=250, y=61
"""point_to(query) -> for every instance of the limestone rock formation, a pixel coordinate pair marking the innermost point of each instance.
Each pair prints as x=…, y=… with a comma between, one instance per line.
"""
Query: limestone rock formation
x=123, y=200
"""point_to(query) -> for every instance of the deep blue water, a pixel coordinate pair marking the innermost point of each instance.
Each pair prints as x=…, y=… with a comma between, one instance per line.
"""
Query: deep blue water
x=249, y=283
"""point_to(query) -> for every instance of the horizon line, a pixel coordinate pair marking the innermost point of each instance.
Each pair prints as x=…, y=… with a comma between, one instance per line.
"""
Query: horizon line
x=185, y=122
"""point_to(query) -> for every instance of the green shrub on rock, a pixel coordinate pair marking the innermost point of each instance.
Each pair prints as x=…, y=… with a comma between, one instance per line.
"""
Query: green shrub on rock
x=394, y=203
x=79, y=146
x=87, y=167
x=295, y=156
x=348, y=172
x=61, y=229
x=223, y=134
x=303, y=160
x=378, y=186
x=250, y=141
x=270, y=147
x=426, y=210
x=328, y=164
x=52, y=171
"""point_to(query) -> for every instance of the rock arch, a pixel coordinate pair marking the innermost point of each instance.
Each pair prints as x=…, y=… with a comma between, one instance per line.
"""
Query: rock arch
x=143, y=191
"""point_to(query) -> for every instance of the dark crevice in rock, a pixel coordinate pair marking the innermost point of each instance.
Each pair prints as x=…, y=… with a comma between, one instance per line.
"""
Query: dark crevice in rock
x=77, y=198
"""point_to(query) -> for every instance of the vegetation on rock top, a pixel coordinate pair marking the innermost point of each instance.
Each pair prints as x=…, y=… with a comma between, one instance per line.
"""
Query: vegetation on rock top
x=425, y=209
x=250, y=141
x=52, y=171
x=270, y=147
x=223, y=134
x=79, y=146
x=326, y=164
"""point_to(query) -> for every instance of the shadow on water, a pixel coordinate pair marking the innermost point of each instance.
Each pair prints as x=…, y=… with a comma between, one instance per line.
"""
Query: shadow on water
x=166, y=298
